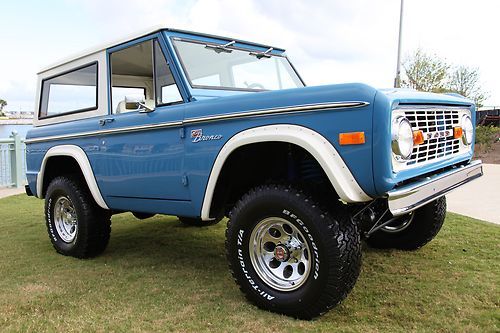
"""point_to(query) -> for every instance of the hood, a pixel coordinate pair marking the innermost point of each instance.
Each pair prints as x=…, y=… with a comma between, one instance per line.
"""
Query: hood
x=410, y=96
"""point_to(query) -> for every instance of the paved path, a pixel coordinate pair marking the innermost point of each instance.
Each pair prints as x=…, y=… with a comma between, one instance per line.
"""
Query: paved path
x=8, y=191
x=480, y=198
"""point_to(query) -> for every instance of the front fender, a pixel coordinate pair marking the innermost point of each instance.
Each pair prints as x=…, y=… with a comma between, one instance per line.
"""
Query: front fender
x=318, y=146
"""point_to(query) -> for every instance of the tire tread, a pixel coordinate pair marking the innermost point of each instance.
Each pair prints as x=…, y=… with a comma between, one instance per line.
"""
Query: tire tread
x=94, y=237
x=426, y=224
x=347, y=240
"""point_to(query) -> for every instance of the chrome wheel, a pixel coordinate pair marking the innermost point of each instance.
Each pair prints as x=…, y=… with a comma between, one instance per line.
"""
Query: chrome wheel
x=280, y=254
x=65, y=219
x=400, y=224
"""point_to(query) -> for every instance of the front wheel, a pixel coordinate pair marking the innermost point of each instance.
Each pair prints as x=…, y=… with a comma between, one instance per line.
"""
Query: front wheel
x=288, y=255
x=412, y=231
x=77, y=226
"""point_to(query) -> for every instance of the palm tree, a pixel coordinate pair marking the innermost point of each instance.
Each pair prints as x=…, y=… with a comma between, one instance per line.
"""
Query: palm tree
x=3, y=104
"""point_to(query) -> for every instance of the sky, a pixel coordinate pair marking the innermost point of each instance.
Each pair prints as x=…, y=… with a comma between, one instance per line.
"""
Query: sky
x=328, y=41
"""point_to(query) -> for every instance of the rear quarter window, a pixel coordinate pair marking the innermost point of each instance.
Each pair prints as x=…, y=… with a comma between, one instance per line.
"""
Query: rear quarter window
x=69, y=92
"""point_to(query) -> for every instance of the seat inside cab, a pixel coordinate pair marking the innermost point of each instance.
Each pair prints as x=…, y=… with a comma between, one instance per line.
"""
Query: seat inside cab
x=132, y=78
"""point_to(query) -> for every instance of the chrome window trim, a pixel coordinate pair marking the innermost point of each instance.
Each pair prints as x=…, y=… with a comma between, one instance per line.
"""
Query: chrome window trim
x=219, y=117
x=232, y=46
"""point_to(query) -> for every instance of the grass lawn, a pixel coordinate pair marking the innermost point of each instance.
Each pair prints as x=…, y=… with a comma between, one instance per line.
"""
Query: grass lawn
x=158, y=275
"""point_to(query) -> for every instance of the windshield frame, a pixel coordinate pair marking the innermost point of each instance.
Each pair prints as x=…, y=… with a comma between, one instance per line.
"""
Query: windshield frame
x=252, y=48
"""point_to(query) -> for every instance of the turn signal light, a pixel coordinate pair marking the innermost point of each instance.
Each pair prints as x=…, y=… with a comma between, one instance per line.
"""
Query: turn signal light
x=418, y=137
x=352, y=138
x=457, y=132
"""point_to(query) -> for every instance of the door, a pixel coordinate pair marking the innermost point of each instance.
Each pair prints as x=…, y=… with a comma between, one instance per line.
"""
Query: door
x=141, y=146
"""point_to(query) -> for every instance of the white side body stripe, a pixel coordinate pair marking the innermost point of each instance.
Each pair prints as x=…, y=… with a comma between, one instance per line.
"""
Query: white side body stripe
x=320, y=148
x=79, y=155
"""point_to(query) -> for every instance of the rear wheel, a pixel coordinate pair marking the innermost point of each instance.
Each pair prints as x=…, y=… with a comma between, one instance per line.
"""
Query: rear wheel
x=76, y=225
x=412, y=231
x=288, y=255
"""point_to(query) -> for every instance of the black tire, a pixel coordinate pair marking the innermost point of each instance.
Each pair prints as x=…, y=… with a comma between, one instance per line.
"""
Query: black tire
x=335, y=255
x=93, y=224
x=197, y=222
x=425, y=225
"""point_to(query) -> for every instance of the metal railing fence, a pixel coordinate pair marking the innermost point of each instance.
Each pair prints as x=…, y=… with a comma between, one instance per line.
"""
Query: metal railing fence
x=12, y=161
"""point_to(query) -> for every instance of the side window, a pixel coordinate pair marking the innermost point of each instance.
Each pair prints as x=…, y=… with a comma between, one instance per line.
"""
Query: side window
x=167, y=91
x=132, y=77
x=75, y=91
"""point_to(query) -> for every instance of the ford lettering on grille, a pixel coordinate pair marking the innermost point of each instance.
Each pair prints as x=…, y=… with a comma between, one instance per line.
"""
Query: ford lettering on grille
x=437, y=135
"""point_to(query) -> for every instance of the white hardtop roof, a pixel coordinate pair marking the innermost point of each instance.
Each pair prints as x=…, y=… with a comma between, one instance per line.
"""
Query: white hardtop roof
x=136, y=35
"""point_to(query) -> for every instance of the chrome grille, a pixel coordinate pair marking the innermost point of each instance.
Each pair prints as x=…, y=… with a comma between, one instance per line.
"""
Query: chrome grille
x=431, y=121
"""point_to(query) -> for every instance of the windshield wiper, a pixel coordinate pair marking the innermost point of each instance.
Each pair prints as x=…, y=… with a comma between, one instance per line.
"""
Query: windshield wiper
x=220, y=48
x=260, y=55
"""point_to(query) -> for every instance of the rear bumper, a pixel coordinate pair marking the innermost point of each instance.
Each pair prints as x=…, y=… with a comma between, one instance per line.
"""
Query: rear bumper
x=412, y=196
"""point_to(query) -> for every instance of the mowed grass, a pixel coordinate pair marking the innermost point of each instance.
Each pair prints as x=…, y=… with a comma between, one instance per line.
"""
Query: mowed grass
x=158, y=275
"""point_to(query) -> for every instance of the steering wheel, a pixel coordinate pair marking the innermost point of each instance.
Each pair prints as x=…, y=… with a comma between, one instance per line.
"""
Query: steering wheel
x=255, y=86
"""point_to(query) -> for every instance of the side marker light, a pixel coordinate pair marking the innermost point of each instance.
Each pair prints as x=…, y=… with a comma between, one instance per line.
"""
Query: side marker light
x=352, y=138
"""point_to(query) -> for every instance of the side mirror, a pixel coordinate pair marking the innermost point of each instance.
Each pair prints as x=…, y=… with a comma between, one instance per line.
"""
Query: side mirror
x=137, y=102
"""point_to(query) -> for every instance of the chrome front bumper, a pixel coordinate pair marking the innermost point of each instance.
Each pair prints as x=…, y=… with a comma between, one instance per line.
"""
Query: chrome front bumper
x=412, y=196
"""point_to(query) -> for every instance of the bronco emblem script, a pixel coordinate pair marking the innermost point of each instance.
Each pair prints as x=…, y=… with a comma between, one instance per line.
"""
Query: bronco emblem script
x=197, y=136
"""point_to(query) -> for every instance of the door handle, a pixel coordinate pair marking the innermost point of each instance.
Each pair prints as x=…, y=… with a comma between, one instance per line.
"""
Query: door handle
x=105, y=121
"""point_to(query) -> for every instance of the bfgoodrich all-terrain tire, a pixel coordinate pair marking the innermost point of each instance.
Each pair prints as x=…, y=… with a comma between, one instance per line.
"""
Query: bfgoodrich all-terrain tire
x=423, y=225
x=288, y=255
x=77, y=226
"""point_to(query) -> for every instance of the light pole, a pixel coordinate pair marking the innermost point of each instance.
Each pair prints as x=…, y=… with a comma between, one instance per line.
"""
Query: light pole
x=397, y=80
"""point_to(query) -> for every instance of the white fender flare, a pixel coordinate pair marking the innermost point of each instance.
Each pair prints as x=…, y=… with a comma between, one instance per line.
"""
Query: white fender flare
x=81, y=158
x=320, y=148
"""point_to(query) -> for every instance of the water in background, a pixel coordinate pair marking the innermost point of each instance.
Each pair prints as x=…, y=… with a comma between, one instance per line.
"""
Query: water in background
x=6, y=130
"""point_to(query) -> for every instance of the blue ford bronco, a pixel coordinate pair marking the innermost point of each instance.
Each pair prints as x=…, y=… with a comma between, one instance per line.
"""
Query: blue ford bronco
x=205, y=127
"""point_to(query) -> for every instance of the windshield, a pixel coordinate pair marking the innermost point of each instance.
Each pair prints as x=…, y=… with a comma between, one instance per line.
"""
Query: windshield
x=220, y=67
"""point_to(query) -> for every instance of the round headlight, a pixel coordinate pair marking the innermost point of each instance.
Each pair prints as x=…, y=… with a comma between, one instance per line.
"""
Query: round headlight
x=468, y=130
x=402, y=138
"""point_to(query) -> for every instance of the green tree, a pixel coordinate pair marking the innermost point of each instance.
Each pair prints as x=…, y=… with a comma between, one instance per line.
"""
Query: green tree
x=465, y=81
x=425, y=72
x=3, y=104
